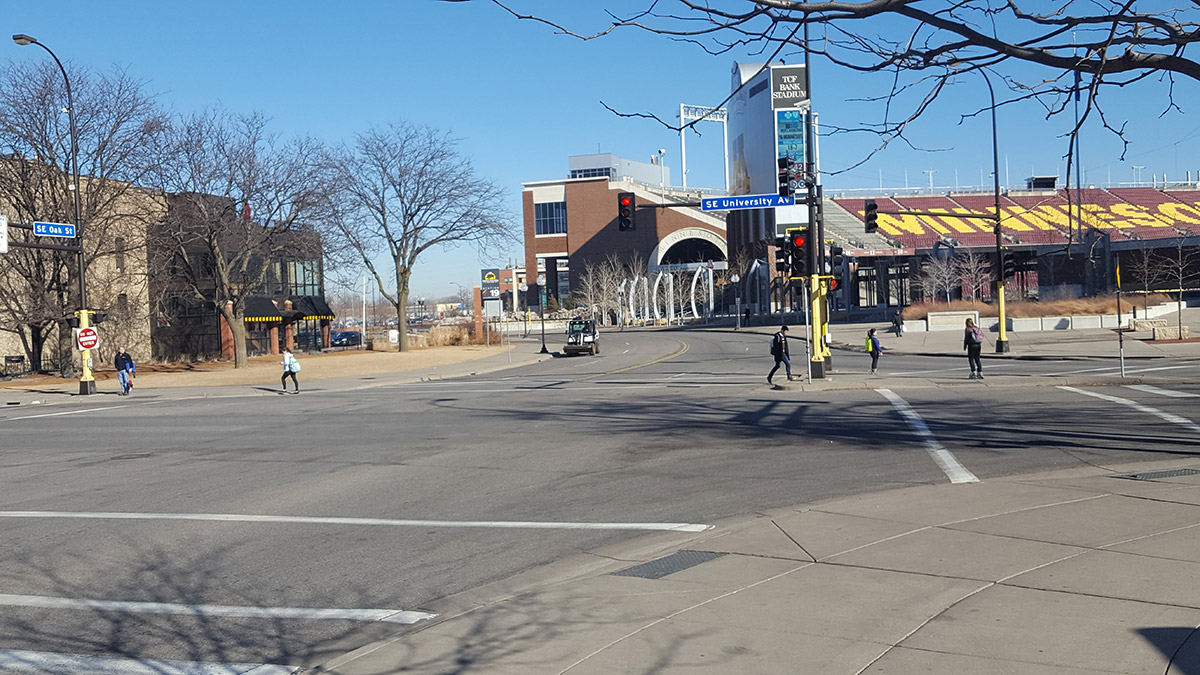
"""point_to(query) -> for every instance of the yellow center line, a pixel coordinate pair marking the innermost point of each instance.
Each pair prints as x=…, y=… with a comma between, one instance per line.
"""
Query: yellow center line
x=640, y=365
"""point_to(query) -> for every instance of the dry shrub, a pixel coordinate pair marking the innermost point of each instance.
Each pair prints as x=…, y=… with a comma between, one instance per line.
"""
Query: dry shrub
x=1100, y=304
x=450, y=336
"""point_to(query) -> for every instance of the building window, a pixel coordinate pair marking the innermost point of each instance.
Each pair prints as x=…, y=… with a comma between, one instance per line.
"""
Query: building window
x=550, y=218
x=120, y=246
x=607, y=172
x=123, y=303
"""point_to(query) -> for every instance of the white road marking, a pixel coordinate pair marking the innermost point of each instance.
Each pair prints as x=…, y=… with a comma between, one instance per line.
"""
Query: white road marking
x=1151, y=370
x=327, y=520
x=1085, y=370
x=53, y=602
x=21, y=661
x=945, y=460
x=1162, y=392
x=68, y=412
x=1174, y=419
x=925, y=372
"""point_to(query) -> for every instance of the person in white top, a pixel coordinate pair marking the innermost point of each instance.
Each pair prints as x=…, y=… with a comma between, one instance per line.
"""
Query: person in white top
x=290, y=367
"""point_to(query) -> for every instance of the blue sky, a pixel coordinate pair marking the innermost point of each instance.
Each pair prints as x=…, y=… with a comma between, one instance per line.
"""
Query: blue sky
x=522, y=99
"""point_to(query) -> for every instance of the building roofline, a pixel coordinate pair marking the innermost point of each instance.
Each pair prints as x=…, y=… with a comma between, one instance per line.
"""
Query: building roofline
x=539, y=183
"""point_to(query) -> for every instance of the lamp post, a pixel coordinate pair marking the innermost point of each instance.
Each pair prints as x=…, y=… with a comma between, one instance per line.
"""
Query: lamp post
x=87, y=383
x=1002, y=340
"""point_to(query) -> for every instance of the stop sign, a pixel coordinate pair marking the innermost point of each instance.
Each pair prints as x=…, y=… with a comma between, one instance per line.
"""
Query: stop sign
x=87, y=338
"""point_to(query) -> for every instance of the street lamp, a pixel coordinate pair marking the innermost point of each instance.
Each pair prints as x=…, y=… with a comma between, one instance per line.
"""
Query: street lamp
x=1002, y=340
x=87, y=383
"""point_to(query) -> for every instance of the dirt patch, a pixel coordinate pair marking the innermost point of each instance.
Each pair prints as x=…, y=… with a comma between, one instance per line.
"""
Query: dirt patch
x=267, y=369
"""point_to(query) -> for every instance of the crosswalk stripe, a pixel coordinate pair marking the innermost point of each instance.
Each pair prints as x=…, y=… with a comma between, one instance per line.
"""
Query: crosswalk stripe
x=1174, y=419
x=54, y=602
x=24, y=661
x=946, y=461
x=333, y=520
x=1162, y=392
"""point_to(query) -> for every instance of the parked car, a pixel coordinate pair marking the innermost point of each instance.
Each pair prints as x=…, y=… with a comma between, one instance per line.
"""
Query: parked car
x=347, y=338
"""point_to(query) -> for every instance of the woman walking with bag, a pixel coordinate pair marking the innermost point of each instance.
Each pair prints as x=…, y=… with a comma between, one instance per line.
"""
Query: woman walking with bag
x=873, y=348
x=973, y=343
x=290, y=367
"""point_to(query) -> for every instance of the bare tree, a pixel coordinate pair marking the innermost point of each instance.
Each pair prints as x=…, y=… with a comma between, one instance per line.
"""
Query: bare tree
x=939, y=274
x=924, y=47
x=240, y=199
x=590, y=292
x=117, y=123
x=974, y=272
x=403, y=189
x=1181, y=267
x=1145, y=268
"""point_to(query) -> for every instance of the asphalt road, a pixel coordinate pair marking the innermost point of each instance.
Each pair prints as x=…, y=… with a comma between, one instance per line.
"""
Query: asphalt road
x=234, y=519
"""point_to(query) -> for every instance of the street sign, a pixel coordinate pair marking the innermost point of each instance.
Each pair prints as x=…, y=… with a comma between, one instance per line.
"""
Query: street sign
x=54, y=229
x=788, y=87
x=87, y=338
x=744, y=202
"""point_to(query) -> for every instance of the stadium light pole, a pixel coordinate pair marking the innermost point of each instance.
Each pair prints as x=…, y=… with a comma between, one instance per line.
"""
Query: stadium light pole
x=87, y=383
x=998, y=272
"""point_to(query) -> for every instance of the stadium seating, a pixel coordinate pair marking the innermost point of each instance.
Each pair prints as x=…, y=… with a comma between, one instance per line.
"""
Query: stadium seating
x=1037, y=217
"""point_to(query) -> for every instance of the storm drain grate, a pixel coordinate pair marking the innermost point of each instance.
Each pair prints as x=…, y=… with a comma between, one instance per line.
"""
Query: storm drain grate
x=676, y=562
x=1154, y=475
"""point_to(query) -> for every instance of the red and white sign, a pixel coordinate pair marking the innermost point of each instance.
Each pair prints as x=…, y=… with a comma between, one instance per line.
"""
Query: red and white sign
x=87, y=338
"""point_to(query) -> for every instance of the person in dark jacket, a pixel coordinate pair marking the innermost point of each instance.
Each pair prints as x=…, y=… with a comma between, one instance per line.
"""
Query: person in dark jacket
x=898, y=323
x=124, y=365
x=874, y=348
x=779, y=349
x=973, y=343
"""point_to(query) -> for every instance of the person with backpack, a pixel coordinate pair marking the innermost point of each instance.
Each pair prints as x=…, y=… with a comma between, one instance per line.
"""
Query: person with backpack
x=125, y=369
x=779, y=349
x=973, y=343
x=290, y=367
x=873, y=348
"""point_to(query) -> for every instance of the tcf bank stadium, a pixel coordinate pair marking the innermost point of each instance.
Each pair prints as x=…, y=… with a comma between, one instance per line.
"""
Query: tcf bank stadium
x=1065, y=242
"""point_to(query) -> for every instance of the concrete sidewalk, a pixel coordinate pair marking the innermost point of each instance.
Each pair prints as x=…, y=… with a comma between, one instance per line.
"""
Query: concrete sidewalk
x=1070, y=572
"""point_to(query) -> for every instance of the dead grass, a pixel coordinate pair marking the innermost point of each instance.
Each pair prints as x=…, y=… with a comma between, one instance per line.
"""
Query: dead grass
x=1102, y=304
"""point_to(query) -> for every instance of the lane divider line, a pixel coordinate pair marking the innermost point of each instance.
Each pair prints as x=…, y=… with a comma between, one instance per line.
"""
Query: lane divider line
x=208, y=611
x=1161, y=414
x=641, y=365
x=945, y=459
x=333, y=520
x=24, y=661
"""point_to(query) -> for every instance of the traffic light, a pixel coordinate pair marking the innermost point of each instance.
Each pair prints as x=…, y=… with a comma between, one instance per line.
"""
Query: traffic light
x=798, y=245
x=871, y=215
x=837, y=262
x=783, y=262
x=626, y=208
x=785, y=177
x=1008, y=266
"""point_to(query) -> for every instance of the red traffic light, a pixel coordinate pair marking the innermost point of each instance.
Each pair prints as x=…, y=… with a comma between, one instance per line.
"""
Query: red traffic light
x=626, y=200
x=798, y=240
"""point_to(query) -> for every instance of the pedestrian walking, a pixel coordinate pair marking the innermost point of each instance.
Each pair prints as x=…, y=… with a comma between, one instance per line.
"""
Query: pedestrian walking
x=779, y=349
x=125, y=369
x=973, y=343
x=873, y=348
x=290, y=367
x=898, y=323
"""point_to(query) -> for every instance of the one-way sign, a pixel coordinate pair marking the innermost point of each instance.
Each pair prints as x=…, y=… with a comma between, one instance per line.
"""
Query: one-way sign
x=54, y=229
x=744, y=202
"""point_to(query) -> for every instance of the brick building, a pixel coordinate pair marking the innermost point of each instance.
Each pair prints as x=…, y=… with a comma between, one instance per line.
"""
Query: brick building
x=571, y=223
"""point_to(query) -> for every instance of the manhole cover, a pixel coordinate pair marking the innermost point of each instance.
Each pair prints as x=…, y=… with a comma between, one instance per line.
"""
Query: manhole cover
x=676, y=562
x=1155, y=475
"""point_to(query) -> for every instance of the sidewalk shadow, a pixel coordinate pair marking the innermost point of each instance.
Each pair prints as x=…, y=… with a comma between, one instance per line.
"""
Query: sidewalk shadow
x=1179, y=644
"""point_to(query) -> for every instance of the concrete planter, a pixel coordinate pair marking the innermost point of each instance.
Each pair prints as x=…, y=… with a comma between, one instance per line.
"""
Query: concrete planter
x=1056, y=323
x=1082, y=322
x=949, y=320
x=917, y=326
x=1025, y=324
